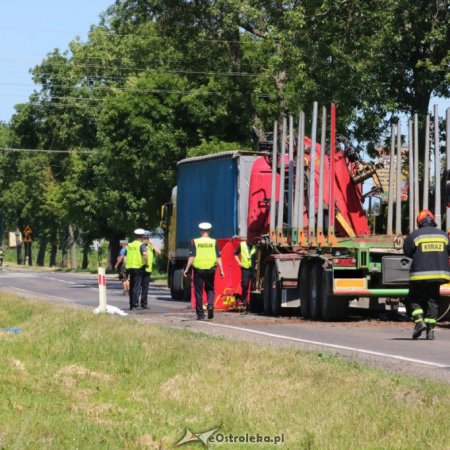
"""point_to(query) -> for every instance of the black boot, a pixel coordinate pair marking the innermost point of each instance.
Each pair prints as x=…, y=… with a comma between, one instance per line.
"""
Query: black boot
x=210, y=313
x=430, y=332
x=419, y=328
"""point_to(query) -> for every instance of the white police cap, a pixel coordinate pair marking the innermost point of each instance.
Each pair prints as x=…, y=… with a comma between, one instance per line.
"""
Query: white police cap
x=205, y=226
x=139, y=232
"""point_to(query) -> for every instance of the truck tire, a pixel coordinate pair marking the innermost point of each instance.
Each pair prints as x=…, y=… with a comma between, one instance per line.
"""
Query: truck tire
x=169, y=275
x=333, y=307
x=304, y=291
x=444, y=308
x=315, y=288
x=177, y=286
x=275, y=294
x=267, y=302
x=256, y=303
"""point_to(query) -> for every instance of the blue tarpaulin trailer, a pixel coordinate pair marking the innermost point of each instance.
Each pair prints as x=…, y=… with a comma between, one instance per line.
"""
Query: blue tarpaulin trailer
x=212, y=188
x=203, y=184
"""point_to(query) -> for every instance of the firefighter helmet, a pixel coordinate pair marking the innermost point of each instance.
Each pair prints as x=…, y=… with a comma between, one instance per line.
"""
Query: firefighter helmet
x=423, y=215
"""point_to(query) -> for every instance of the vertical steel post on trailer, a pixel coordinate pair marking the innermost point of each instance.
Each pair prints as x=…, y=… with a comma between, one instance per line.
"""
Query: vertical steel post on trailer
x=290, y=176
x=320, y=236
x=280, y=234
x=273, y=194
x=411, y=176
x=296, y=191
x=390, y=215
x=437, y=170
x=331, y=207
x=416, y=165
x=447, y=152
x=398, y=216
x=312, y=178
x=426, y=164
x=301, y=195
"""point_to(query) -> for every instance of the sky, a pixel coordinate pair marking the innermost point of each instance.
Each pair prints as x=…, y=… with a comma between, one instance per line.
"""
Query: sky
x=29, y=29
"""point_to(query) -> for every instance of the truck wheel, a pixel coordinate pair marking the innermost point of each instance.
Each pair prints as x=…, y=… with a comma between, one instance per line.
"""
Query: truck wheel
x=304, y=291
x=169, y=275
x=177, y=287
x=256, y=303
x=333, y=307
x=444, y=308
x=267, y=302
x=275, y=294
x=315, y=288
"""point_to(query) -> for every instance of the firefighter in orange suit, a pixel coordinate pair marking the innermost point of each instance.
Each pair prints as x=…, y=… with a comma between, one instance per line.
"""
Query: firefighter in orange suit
x=429, y=248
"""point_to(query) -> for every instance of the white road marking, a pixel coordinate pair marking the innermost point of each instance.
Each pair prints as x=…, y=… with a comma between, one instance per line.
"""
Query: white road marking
x=72, y=283
x=263, y=333
x=27, y=275
x=58, y=279
x=6, y=274
x=325, y=344
x=40, y=293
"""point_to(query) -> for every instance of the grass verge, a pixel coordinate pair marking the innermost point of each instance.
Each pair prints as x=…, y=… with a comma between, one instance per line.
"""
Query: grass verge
x=71, y=379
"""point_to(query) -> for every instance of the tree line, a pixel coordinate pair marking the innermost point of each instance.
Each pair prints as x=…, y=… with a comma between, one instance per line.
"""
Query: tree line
x=157, y=81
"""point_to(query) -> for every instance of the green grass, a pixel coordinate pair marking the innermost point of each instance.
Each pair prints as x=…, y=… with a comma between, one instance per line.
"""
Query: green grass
x=93, y=257
x=71, y=379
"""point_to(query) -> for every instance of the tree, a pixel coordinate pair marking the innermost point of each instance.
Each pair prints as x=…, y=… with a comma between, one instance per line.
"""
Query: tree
x=157, y=81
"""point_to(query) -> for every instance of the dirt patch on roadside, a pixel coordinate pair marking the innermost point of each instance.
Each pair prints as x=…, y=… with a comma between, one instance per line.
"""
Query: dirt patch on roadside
x=69, y=374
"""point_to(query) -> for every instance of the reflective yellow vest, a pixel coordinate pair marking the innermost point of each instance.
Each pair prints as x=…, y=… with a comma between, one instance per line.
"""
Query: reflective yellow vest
x=205, y=253
x=149, y=258
x=246, y=256
x=134, y=257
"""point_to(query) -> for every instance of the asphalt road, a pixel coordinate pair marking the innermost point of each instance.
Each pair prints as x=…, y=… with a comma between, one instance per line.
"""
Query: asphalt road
x=384, y=344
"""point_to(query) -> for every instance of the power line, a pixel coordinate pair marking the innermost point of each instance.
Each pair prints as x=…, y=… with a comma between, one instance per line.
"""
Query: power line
x=140, y=69
x=41, y=150
x=91, y=88
x=150, y=91
x=113, y=88
x=254, y=41
x=79, y=80
x=12, y=58
x=143, y=69
x=48, y=105
x=86, y=77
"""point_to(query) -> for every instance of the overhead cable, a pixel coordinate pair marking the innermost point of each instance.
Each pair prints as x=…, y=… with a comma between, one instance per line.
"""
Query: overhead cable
x=255, y=41
x=41, y=150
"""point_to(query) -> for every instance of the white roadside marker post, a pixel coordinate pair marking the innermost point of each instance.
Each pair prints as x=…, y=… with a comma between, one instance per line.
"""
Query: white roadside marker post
x=102, y=289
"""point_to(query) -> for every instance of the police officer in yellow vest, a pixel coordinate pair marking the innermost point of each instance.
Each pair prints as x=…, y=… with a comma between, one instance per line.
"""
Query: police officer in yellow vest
x=247, y=252
x=146, y=278
x=137, y=261
x=203, y=256
x=429, y=248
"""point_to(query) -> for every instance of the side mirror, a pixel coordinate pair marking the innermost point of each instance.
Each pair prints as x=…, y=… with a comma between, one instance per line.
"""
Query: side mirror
x=166, y=214
x=374, y=206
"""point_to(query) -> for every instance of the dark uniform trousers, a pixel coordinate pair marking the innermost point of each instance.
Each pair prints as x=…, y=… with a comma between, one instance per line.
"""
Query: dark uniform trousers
x=424, y=295
x=139, y=281
x=145, y=285
x=204, y=278
x=246, y=276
